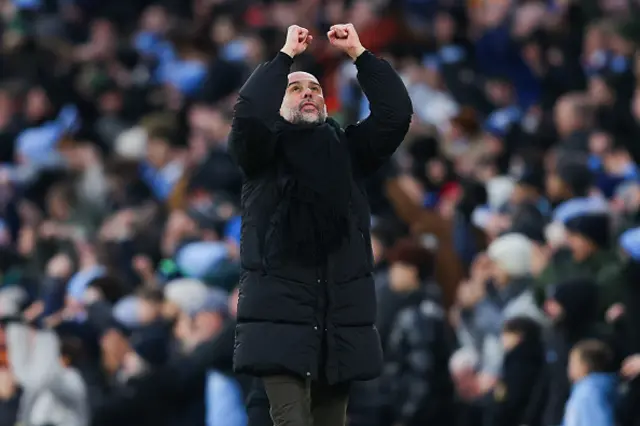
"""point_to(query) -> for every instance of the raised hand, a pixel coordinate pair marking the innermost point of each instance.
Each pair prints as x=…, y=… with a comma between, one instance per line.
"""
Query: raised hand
x=298, y=39
x=345, y=38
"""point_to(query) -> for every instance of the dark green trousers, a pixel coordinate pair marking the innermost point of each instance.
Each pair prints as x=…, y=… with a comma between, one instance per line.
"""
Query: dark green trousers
x=297, y=402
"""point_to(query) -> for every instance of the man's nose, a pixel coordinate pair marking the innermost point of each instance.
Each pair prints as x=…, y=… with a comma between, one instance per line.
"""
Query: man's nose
x=307, y=93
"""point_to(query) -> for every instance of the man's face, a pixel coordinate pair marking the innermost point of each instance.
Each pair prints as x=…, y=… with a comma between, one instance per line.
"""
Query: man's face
x=580, y=247
x=158, y=152
x=555, y=188
x=303, y=101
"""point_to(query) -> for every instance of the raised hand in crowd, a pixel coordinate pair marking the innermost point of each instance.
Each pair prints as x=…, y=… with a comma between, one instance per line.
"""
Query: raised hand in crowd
x=631, y=367
x=60, y=266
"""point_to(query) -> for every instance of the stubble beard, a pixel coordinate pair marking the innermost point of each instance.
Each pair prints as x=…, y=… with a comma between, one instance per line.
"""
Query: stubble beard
x=301, y=117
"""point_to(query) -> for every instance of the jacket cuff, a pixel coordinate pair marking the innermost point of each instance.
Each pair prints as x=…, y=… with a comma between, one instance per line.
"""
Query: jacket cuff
x=364, y=58
x=283, y=57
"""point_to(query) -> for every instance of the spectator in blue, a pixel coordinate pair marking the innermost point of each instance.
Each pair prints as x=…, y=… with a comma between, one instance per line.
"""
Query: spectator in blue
x=593, y=396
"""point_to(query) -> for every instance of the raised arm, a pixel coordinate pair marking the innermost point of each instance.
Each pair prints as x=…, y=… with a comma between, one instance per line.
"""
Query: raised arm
x=377, y=137
x=251, y=141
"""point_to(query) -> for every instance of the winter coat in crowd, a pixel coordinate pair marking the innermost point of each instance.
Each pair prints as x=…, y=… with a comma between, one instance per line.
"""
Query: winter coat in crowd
x=604, y=267
x=173, y=394
x=482, y=324
x=592, y=401
x=628, y=336
x=521, y=368
x=416, y=379
x=306, y=248
x=579, y=301
x=53, y=394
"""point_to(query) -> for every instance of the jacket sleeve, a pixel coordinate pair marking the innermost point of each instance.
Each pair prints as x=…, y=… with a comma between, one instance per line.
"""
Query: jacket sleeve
x=376, y=138
x=251, y=142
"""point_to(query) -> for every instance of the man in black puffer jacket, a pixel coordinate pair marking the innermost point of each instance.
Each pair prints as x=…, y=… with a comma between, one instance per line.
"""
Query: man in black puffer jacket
x=307, y=309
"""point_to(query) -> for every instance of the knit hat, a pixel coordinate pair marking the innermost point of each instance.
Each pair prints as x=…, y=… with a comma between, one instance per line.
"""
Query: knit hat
x=217, y=301
x=187, y=293
x=595, y=227
x=512, y=253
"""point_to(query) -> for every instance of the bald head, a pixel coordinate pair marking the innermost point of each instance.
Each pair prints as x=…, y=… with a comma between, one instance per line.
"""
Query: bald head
x=303, y=100
x=297, y=76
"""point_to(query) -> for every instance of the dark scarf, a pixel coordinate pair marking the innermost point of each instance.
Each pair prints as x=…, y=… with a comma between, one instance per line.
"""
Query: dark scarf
x=318, y=189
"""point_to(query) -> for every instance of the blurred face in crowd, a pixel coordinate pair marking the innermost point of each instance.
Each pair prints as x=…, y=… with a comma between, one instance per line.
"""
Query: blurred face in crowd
x=37, y=104
x=577, y=367
x=155, y=19
x=207, y=325
x=444, y=27
x=223, y=31
x=566, y=117
x=208, y=127
x=114, y=347
x=524, y=193
x=553, y=309
x=58, y=204
x=532, y=53
x=600, y=92
x=303, y=101
x=600, y=143
x=149, y=311
x=361, y=13
x=403, y=277
x=6, y=108
x=499, y=92
x=158, y=152
x=183, y=330
x=335, y=11
x=110, y=102
x=432, y=77
x=555, y=187
x=594, y=40
x=499, y=275
x=8, y=386
x=510, y=340
x=103, y=38
x=580, y=247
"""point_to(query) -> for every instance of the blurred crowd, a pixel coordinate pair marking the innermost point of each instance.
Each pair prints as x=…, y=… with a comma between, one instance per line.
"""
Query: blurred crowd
x=506, y=229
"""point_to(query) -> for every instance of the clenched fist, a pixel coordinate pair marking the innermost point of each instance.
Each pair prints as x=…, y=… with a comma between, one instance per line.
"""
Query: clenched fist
x=298, y=39
x=345, y=38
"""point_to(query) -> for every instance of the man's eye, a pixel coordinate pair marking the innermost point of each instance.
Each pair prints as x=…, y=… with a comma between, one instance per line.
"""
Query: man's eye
x=295, y=89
